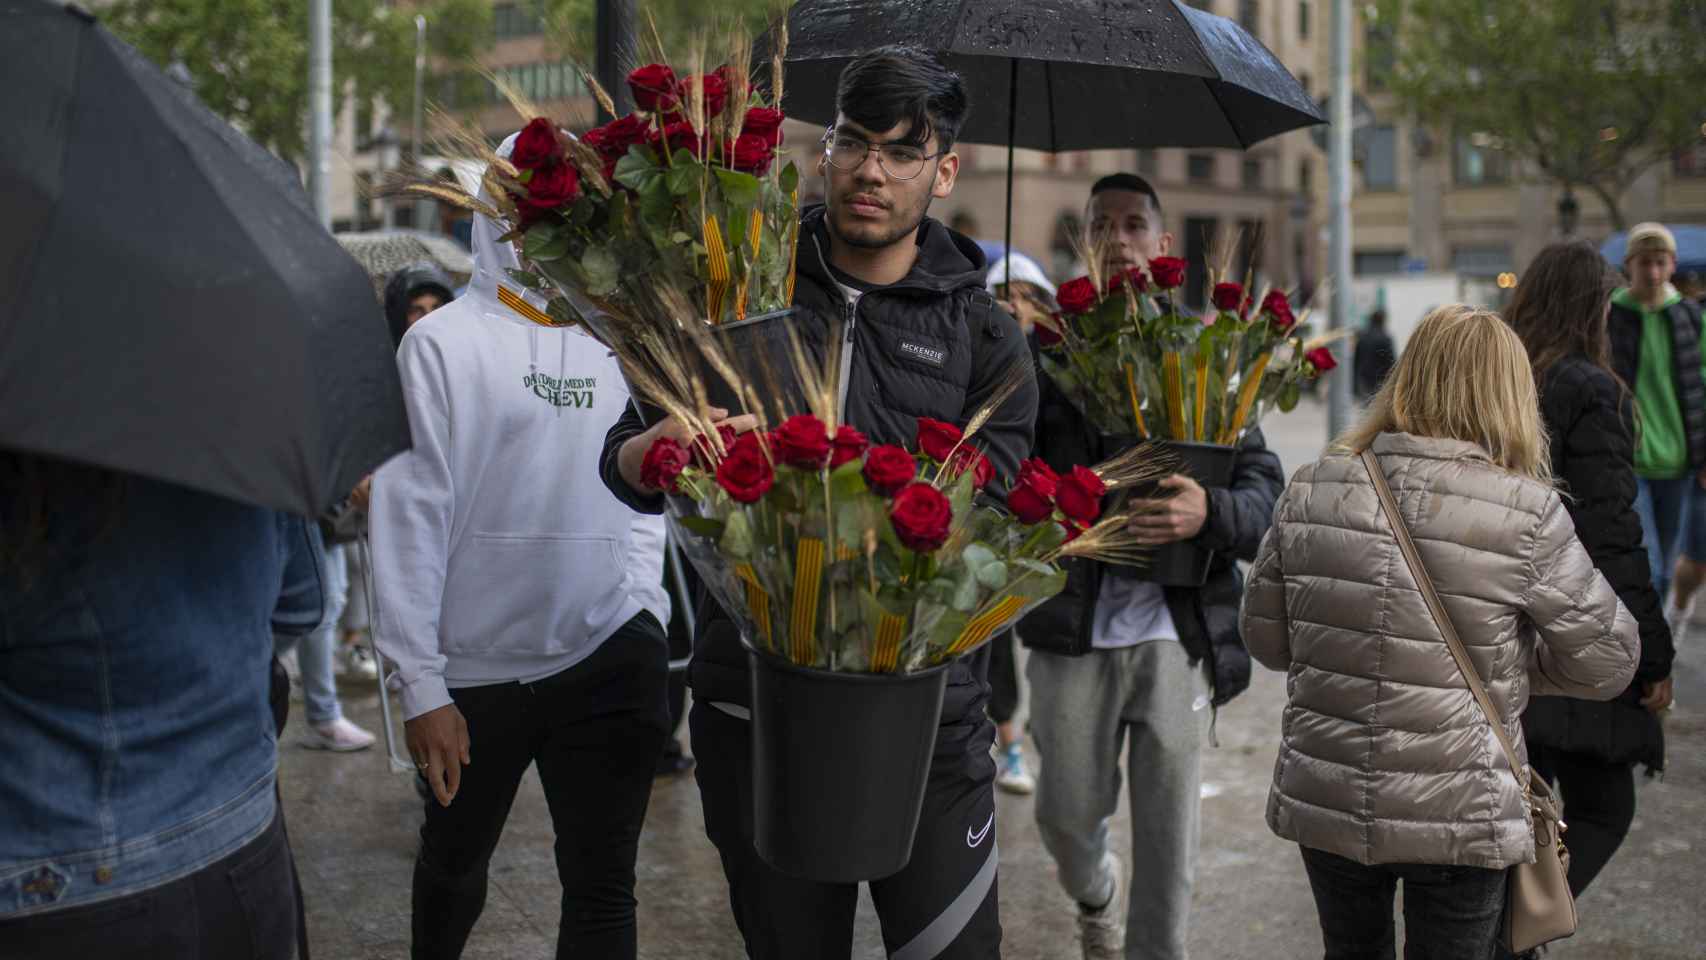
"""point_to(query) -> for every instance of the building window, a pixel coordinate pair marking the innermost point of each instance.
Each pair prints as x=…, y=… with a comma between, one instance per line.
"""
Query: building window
x=1307, y=81
x=1475, y=162
x=1248, y=14
x=1147, y=162
x=1376, y=263
x=1199, y=235
x=1305, y=177
x=1303, y=19
x=1380, y=163
x=1380, y=54
x=1199, y=167
x=1251, y=174
x=1487, y=261
x=512, y=20
x=363, y=196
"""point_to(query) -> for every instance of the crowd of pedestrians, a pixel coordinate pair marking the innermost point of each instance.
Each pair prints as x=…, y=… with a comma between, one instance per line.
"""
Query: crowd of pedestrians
x=1549, y=462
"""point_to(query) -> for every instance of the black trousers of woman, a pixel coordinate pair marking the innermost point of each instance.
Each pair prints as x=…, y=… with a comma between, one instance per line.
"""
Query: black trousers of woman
x=1599, y=806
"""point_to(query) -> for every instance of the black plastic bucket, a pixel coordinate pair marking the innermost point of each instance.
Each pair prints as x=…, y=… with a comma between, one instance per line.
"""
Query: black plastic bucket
x=839, y=764
x=1184, y=564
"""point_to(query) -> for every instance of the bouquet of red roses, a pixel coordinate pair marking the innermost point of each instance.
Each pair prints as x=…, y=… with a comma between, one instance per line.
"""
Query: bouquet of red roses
x=1135, y=364
x=837, y=554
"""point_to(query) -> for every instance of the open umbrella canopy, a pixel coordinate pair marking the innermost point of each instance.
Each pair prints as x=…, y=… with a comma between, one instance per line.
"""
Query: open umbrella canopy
x=1078, y=74
x=383, y=252
x=1690, y=247
x=169, y=306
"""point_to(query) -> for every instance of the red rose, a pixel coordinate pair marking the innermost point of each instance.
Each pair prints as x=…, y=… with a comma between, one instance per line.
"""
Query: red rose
x=536, y=145
x=663, y=463
x=849, y=445
x=1278, y=309
x=614, y=138
x=921, y=516
x=703, y=450
x=765, y=123
x=746, y=472
x=1321, y=359
x=982, y=471
x=751, y=154
x=552, y=186
x=1076, y=296
x=1169, y=272
x=802, y=441
x=653, y=87
x=1080, y=496
x=936, y=439
x=889, y=468
x=1228, y=296
x=679, y=136
x=1047, y=333
x=1132, y=276
x=1032, y=497
x=1073, y=530
x=716, y=88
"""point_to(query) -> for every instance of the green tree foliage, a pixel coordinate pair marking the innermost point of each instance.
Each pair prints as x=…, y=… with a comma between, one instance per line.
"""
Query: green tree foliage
x=249, y=58
x=1590, y=93
x=679, y=22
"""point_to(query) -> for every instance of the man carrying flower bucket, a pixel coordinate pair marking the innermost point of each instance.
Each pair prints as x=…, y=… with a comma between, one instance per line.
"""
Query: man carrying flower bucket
x=923, y=343
x=1116, y=657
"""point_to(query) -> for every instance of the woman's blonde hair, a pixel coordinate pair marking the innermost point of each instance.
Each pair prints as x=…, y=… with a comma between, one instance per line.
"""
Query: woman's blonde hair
x=1464, y=375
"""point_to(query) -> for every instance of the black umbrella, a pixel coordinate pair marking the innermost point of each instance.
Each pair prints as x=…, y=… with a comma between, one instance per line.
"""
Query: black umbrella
x=1064, y=74
x=169, y=306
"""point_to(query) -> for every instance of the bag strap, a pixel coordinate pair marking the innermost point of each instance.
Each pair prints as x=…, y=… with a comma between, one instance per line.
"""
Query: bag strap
x=1413, y=558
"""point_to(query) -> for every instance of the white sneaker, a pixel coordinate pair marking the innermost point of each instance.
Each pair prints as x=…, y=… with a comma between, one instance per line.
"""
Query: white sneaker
x=1677, y=618
x=1012, y=774
x=339, y=736
x=358, y=662
x=1103, y=931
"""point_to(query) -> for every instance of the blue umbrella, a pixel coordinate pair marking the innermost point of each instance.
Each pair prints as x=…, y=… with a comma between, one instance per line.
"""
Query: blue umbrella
x=1690, y=247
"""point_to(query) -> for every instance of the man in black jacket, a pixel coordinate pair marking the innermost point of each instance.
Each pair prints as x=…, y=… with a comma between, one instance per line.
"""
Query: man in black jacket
x=923, y=340
x=1115, y=657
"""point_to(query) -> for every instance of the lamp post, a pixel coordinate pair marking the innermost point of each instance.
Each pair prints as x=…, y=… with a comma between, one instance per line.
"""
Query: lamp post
x=423, y=206
x=1569, y=212
x=613, y=26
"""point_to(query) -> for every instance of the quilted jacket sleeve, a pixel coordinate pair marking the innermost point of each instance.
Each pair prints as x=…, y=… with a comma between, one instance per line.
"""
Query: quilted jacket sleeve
x=1239, y=514
x=1588, y=645
x=1262, y=620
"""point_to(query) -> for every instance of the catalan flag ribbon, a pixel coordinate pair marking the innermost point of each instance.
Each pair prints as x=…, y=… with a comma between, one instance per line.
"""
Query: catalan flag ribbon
x=757, y=600
x=808, y=582
x=754, y=236
x=717, y=257
x=519, y=304
x=885, y=658
x=985, y=624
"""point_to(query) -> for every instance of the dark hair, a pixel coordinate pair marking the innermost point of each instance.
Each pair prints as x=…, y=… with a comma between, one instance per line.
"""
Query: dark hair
x=1377, y=319
x=1127, y=181
x=1559, y=307
x=898, y=83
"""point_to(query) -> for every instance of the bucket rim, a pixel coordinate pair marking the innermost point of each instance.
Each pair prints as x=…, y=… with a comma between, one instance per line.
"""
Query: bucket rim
x=754, y=320
x=788, y=666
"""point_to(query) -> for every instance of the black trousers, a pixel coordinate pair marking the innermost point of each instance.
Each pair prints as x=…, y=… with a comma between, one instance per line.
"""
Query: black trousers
x=1450, y=913
x=1003, y=677
x=595, y=731
x=1599, y=806
x=240, y=907
x=942, y=905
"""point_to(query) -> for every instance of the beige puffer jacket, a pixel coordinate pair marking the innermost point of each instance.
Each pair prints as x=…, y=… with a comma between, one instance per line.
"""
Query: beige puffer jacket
x=1384, y=756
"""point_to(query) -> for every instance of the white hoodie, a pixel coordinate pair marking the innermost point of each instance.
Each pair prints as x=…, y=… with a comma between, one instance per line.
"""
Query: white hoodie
x=498, y=553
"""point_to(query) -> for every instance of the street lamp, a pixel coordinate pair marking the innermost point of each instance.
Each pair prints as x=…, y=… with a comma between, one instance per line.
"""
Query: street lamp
x=1569, y=211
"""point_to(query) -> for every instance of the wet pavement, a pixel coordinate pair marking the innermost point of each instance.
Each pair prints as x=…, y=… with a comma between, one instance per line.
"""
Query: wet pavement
x=354, y=826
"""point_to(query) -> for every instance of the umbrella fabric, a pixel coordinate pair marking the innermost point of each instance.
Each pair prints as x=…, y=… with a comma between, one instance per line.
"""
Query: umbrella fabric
x=1690, y=248
x=1091, y=74
x=383, y=252
x=169, y=306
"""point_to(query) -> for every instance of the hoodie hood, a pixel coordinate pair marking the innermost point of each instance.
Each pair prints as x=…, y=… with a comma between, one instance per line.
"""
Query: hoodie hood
x=947, y=260
x=408, y=283
x=492, y=260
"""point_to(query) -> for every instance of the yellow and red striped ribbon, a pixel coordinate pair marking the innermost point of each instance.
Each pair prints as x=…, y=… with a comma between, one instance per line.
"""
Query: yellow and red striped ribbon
x=516, y=302
x=1198, y=426
x=754, y=236
x=717, y=257
x=1136, y=409
x=886, y=656
x=981, y=627
x=1173, y=382
x=1246, y=398
x=794, y=248
x=808, y=581
x=757, y=601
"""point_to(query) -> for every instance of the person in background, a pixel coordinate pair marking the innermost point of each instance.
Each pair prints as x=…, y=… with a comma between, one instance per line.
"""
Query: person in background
x=523, y=607
x=1374, y=357
x=1655, y=349
x=1589, y=749
x=674, y=761
x=138, y=815
x=1386, y=772
x=1161, y=659
x=315, y=655
x=1690, y=571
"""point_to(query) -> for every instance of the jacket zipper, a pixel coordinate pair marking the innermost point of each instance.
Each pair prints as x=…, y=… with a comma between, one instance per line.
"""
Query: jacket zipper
x=852, y=307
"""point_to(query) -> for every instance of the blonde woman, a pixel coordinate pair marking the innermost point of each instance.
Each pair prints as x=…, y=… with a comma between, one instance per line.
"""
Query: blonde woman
x=1388, y=771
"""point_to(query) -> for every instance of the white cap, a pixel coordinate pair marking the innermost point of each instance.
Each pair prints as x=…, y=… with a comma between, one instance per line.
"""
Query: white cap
x=1025, y=270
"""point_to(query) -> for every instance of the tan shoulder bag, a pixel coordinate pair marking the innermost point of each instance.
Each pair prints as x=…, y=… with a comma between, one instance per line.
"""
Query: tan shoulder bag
x=1538, y=904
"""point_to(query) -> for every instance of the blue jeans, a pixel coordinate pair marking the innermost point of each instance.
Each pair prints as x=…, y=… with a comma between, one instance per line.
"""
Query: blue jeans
x=1450, y=913
x=1663, y=508
x=315, y=652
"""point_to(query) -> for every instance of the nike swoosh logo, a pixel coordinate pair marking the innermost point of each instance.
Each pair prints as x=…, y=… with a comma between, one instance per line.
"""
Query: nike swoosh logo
x=973, y=839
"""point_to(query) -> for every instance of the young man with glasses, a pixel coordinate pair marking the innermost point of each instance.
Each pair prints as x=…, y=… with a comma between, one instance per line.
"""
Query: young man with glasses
x=923, y=339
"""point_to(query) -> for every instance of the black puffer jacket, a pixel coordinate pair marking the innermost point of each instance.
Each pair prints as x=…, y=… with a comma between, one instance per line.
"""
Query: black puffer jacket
x=1588, y=416
x=1238, y=517
x=1624, y=326
x=933, y=345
